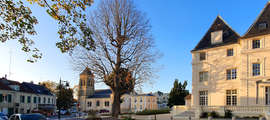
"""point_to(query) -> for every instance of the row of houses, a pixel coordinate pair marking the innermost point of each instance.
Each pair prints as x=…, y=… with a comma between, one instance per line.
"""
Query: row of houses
x=16, y=97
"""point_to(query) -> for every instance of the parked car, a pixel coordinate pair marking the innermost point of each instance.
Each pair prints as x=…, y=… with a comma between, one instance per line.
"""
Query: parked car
x=104, y=111
x=35, y=116
x=3, y=116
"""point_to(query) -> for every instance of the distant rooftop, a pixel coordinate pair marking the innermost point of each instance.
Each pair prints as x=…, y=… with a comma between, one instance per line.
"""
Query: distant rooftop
x=104, y=93
x=6, y=84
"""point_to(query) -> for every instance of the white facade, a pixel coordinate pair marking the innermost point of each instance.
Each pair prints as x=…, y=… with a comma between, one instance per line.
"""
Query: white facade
x=162, y=99
x=234, y=74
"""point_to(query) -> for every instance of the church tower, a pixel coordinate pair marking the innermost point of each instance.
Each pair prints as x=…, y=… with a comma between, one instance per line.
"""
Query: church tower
x=86, y=87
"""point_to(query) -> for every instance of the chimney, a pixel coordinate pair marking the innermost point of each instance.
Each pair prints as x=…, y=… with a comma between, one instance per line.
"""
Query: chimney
x=5, y=76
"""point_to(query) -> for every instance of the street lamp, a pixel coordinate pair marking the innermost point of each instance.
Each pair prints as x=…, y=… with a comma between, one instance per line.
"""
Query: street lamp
x=60, y=88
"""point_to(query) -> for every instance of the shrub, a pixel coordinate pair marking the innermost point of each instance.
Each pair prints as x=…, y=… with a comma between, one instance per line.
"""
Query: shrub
x=228, y=114
x=204, y=115
x=152, y=112
x=128, y=118
x=214, y=114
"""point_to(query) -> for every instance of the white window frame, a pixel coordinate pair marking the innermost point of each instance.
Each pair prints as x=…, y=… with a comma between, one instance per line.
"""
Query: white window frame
x=256, y=70
x=203, y=98
x=203, y=76
x=231, y=74
x=258, y=45
x=230, y=52
x=231, y=97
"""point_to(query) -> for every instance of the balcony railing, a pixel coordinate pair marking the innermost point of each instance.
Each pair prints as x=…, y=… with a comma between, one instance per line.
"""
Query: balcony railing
x=237, y=109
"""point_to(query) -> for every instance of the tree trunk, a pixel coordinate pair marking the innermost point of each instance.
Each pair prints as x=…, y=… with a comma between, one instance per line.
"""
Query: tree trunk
x=116, y=104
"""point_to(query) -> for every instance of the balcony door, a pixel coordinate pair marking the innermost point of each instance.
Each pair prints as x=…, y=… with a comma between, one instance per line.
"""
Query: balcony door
x=267, y=95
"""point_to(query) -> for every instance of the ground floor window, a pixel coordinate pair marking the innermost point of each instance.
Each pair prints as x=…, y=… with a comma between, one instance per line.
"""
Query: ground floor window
x=89, y=104
x=231, y=97
x=21, y=110
x=267, y=95
x=107, y=103
x=97, y=104
x=203, y=97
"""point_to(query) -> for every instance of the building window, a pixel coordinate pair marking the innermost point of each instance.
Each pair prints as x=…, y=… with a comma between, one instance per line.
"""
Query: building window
x=256, y=69
x=262, y=26
x=216, y=37
x=28, y=99
x=231, y=74
x=35, y=99
x=9, y=98
x=97, y=104
x=140, y=99
x=230, y=52
x=22, y=99
x=44, y=100
x=49, y=100
x=203, y=98
x=256, y=44
x=140, y=106
x=21, y=110
x=267, y=95
x=80, y=82
x=89, y=104
x=231, y=97
x=203, y=76
x=135, y=100
x=107, y=103
x=202, y=56
x=88, y=82
x=39, y=100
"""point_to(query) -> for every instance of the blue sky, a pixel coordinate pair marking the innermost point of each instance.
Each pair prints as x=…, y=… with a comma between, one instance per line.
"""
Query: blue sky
x=177, y=26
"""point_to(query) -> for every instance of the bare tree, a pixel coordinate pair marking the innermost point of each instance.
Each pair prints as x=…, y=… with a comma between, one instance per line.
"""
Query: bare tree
x=124, y=50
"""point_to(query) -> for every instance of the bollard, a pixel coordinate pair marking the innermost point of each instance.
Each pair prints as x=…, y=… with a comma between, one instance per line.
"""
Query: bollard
x=210, y=118
x=233, y=118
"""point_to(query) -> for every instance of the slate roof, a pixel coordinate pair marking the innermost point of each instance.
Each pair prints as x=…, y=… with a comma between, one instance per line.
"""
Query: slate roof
x=264, y=17
x=24, y=87
x=86, y=71
x=38, y=89
x=148, y=94
x=229, y=35
x=106, y=93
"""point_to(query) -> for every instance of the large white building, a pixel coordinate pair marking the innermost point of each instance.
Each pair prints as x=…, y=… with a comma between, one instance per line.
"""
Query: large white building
x=232, y=72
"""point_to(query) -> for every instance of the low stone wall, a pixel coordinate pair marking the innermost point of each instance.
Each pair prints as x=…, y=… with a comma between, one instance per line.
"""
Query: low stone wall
x=177, y=109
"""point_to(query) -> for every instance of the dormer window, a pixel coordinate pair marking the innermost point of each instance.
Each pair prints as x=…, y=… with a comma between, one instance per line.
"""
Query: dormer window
x=216, y=37
x=15, y=87
x=262, y=26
